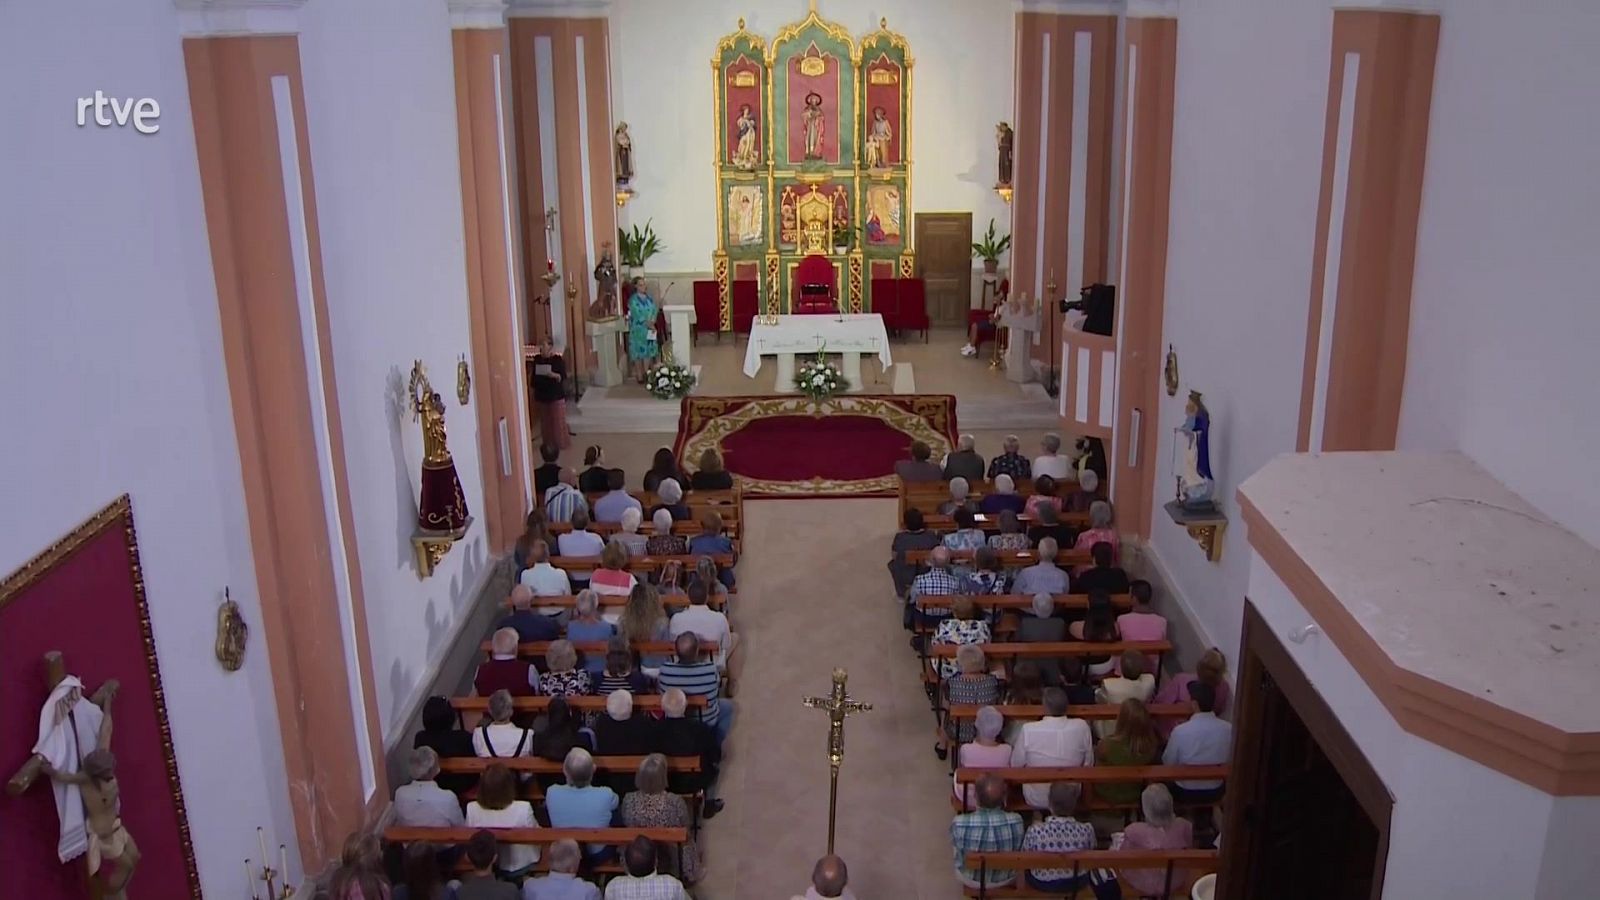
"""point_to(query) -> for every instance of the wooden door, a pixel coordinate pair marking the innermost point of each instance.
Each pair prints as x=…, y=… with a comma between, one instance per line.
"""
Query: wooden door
x=944, y=263
x=1306, y=814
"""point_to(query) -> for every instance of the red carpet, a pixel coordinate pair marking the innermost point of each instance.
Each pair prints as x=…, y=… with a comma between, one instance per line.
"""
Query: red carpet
x=788, y=446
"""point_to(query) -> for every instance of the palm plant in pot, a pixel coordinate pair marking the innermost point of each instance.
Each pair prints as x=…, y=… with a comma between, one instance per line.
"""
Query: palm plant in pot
x=990, y=249
x=637, y=246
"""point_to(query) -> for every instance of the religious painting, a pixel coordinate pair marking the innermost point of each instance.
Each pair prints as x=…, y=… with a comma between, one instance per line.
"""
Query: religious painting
x=883, y=214
x=745, y=222
x=885, y=125
x=84, y=598
x=746, y=89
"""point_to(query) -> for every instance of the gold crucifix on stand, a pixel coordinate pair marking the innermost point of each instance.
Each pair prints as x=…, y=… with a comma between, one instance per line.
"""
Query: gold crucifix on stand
x=838, y=705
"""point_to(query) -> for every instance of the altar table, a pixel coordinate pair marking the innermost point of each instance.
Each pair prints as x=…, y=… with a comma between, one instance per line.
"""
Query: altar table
x=851, y=336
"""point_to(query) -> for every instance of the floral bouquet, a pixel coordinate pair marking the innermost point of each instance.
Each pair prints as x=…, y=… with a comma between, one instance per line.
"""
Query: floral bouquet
x=669, y=381
x=820, y=379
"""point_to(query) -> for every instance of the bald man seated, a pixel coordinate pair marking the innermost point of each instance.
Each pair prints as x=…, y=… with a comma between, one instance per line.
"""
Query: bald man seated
x=828, y=879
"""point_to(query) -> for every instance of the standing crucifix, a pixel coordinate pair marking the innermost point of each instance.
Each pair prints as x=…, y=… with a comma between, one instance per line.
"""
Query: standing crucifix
x=838, y=705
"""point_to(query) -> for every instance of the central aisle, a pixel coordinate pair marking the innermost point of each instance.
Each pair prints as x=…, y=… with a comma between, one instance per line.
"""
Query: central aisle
x=814, y=594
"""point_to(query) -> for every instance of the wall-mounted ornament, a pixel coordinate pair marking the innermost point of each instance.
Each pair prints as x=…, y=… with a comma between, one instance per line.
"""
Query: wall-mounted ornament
x=1171, y=371
x=232, y=633
x=442, y=517
x=1005, y=143
x=463, y=380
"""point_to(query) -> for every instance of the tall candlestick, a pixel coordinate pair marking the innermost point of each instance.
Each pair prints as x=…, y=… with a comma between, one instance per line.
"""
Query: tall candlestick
x=283, y=862
x=261, y=838
x=249, y=879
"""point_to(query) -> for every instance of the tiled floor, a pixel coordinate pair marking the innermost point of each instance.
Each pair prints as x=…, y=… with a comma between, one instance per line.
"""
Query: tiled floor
x=813, y=595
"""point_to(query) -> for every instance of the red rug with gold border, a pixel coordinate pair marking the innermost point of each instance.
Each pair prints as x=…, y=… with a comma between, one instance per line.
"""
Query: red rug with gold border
x=790, y=446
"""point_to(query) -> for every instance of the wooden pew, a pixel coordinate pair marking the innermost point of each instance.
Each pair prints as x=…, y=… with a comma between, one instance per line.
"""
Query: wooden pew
x=728, y=504
x=1048, y=649
x=1065, y=559
x=1100, y=712
x=1089, y=775
x=616, y=601
x=687, y=528
x=571, y=564
x=532, y=765
x=445, y=837
x=927, y=495
x=1181, y=868
x=648, y=703
x=537, y=649
x=1119, y=602
x=991, y=522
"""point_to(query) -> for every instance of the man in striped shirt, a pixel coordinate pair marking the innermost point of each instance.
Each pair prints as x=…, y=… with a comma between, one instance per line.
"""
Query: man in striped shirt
x=563, y=499
x=694, y=674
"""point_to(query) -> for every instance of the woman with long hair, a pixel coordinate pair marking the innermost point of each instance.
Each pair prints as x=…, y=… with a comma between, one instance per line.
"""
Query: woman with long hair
x=664, y=465
x=644, y=619
x=712, y=476
x=360, y=872
x=534, y=530
x=1099, y=626
x=497, y=806
x=421, y=879
x=1133, y=742
x=559, y=730
x=1212, y=670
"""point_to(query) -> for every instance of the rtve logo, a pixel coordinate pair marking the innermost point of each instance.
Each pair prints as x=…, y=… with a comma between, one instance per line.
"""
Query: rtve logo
x=143, y=112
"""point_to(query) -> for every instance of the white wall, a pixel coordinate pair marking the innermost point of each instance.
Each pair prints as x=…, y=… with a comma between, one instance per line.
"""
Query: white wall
x=1459, y=829
x=110, y=346
x=380, y=97
x=1503, y=312
x=1246, y=158
x=661, y=85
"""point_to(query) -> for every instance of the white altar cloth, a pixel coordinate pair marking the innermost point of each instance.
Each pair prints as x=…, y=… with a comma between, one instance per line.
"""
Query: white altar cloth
x=852, y=335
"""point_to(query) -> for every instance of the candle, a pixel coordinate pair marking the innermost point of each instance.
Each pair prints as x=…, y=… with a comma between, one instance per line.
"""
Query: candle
x=549, y=265
x=249, y=879
x=261, y=838
x=283, y=863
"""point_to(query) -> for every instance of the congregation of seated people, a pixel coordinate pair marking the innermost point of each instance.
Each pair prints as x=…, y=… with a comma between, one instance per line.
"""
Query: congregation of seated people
x=666, y=637
x=959, y=563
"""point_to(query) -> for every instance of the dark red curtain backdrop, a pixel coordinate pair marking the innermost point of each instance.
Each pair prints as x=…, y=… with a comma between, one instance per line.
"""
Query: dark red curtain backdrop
x=89, y=605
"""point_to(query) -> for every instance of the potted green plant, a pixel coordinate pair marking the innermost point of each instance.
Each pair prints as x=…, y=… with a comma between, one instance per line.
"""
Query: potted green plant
x=991, y=248
x=637, y=246
x=844, y=235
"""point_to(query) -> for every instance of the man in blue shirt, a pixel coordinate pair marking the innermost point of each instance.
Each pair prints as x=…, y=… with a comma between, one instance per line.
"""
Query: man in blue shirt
x=530, y=625
x=712, y=542
x=691, y=673
x=563, y=882
x=578, y=803
x=616, y=500
x=1044, y=576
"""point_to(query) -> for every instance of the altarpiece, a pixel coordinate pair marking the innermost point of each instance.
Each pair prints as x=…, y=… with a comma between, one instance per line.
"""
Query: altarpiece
x=813, y=159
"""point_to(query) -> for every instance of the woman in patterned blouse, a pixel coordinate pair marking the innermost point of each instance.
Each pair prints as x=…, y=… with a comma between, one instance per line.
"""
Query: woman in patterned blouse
x=564, y=679
x=988, y=577
x=973, y=687
x=1059, y=832
x=1011, y=536
x=662, y=542
x=651, y=806
x=967, y=536
x=962, y=627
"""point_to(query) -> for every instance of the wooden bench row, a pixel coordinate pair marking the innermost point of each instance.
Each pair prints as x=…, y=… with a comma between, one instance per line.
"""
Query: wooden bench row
x=617, y=837
x=613, y=601
x=1096, y=712
x=1065, y=558
x=538, y=649
x=1015, y=778
x=571, y=564
x=1119, y=602
x=991, y=521
x=648, y=703
x=1180, y=868
x=533, y=765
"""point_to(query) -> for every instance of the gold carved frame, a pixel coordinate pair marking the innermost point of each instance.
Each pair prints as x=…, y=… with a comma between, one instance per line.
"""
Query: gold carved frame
x=120, y=513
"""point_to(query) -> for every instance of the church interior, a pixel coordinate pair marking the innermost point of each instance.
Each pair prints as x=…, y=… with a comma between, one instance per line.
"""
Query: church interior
x=725, y=449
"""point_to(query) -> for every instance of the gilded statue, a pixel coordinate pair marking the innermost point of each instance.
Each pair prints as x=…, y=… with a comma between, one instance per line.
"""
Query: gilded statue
x=232, y=633
x=624, y=153
x=812, y=122
x=1005, y=139
x=747, y=153
x=880, y=138
x=443, y=507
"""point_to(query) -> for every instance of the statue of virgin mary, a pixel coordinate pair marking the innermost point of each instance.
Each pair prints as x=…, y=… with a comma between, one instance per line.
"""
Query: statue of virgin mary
x=1196, y=488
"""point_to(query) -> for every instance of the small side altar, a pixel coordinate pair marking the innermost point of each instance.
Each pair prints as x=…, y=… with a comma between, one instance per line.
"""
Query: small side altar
x=813, y=159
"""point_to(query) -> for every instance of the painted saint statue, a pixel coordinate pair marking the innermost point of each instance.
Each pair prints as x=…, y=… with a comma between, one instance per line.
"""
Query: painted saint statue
x=747, y=153
x=624, y=153
x=1195, y=484
x=812, y=121
x=879, y=139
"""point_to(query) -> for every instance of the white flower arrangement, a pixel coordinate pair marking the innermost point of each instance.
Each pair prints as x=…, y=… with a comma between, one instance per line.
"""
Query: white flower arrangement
x=820, y=379
x=669, y=381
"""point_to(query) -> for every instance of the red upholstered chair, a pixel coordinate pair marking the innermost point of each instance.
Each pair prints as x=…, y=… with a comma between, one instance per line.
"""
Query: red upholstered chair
x=886, y=301
x=912, y=310
x=743, y=302
x=814, y=272
x=707, y=309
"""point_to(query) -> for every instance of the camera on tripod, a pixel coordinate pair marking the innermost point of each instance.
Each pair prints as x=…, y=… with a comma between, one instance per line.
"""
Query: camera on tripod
x=1098, y=303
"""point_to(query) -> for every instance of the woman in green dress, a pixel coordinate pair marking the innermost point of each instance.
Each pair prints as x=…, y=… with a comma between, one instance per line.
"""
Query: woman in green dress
x=1134, y=743
x=642, y=314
